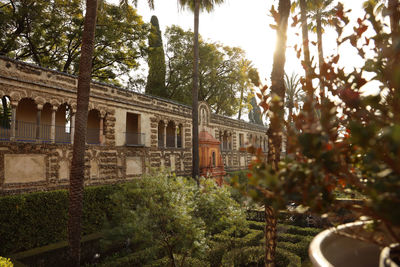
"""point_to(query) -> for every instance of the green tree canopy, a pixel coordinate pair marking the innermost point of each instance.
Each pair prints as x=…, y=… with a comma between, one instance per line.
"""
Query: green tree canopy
x=49, y=33
x=220, y=71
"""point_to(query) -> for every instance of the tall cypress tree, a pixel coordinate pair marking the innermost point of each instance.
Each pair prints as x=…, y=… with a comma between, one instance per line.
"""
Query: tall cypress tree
x=156, y=60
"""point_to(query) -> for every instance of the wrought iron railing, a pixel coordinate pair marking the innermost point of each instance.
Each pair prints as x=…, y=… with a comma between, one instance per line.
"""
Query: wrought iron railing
x=31, y=132
x=135, y=139
x=5, y=129
x=93, y=136
x=225, y=146
x=63, y=134
x=170, y=141
x=179, y=141
x=160, y=140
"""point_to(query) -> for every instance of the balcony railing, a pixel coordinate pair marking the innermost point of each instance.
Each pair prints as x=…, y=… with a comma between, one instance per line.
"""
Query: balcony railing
x=93, y=136
x=62, y=136
x=179, y=141
x=135, y=139
x=5, y=130
x=160, y=140
x=31, y=132
x=170, y=141
x=224, y=146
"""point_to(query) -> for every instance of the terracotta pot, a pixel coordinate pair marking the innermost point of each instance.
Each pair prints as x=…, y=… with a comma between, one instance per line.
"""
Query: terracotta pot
x=329, y=248
x=385, y=260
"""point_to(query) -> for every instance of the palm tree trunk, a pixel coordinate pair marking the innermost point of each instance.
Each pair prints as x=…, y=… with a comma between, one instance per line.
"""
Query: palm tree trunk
x=393, y=7
x=320, y=54
x=277, y=80
x=195, y=93
x=77, y=165
x=275, y=130
x=270, y=236
x=240, y=103
x=304, y=29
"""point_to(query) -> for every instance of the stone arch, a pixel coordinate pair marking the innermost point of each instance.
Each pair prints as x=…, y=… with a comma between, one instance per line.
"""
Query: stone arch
x=204, y=113
x=40, y=101
x=15, y=96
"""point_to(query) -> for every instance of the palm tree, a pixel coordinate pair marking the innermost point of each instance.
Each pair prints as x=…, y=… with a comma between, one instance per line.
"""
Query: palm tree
x=78, y=154
x=196, y=6
x=320, y=11
x=294, y=93
x=275, y=130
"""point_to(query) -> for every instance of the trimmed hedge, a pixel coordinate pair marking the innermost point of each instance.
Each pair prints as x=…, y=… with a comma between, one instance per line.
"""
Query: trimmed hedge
x=284, y=237
x=257, y=225
x=300, y=248
x=297, y=230
x=37, y=219
x=285, y=258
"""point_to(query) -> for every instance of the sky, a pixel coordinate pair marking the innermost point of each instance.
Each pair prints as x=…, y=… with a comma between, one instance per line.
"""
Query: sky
x=245, y=24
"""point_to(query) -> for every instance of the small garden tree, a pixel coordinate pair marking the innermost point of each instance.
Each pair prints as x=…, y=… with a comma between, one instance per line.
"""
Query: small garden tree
x=172, y=219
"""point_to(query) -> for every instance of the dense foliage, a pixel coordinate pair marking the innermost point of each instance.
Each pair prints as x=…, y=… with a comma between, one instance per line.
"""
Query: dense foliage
x=167, y=220
x=221, y=74
x=37, y=219
x=49, y=33
x=4, y=262
x=171, y=217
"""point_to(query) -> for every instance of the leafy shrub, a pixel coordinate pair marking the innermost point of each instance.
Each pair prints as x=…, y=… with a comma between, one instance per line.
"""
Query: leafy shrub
x=177, y=216
x=241, y=177
x=247, y=256
x=4, y=262
x=284, y=258
x=37, y=219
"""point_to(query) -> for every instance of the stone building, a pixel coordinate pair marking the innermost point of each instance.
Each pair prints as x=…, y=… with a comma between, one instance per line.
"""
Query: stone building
x=128, y=132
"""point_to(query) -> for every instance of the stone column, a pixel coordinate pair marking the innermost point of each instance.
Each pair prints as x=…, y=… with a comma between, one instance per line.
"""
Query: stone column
x=101, y=129
x=13, y=120
x=38, y=118
x=182, y=137
x=72, y=125
x=176, y=136
x=53, y=125
x=165, y=135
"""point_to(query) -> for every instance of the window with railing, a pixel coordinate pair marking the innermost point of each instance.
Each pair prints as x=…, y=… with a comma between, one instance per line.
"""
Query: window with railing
x=179, y=135
x=135, y=139
x=170, y=131
x=241, y=141
x=160, y=135
x=133, y=135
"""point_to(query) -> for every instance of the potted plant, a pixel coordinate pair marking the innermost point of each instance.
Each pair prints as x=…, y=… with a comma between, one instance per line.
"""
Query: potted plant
x=346, y=140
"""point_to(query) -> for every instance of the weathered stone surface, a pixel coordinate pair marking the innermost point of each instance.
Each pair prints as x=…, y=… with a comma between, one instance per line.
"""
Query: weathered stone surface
x=111, y=161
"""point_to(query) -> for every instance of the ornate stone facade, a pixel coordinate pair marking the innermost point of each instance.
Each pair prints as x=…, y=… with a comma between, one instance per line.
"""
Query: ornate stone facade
x=128, y=132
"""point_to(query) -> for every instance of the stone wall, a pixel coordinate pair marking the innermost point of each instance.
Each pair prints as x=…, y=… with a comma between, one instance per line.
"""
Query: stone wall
x=44, y=164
